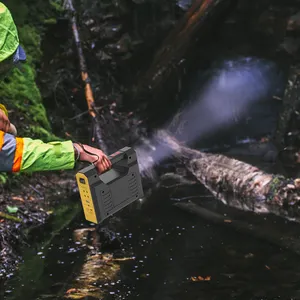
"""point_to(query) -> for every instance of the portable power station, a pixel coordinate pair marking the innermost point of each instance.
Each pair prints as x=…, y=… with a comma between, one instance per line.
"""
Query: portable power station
x=103, y=195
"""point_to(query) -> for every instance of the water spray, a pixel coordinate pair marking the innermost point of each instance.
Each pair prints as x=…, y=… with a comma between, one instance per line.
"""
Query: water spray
x=235, y=87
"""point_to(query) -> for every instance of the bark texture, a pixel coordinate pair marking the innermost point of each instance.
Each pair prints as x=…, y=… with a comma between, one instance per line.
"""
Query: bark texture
x=97, y=131
x=237, y=183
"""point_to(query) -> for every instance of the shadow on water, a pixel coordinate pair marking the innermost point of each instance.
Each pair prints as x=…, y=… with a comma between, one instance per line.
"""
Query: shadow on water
x=50, y=261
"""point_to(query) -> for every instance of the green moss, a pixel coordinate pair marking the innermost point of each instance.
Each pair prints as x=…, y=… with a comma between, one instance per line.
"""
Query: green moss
x=56, y=5
x=30, y=39
x=37, y=131
x=20, y=92
x=50, y=21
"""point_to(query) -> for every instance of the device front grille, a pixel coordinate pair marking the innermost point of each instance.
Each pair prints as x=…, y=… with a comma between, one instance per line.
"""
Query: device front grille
x=107, y=201
x=133, y=188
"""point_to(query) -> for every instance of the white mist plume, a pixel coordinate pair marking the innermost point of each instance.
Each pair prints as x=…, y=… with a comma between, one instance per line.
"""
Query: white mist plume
x=235, y=86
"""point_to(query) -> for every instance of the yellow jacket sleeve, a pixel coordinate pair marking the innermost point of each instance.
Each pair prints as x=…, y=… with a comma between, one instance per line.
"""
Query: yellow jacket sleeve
x=28, y=155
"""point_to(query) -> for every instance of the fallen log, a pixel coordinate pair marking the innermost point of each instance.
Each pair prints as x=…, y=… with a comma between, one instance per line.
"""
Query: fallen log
x=237, y=183
x=97, y=131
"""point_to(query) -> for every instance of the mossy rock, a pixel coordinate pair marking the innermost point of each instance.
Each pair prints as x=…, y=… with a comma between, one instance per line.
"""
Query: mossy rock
x=20, y=92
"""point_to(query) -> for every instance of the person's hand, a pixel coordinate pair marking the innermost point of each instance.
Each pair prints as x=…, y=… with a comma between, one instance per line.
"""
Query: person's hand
x=94, y=155
x=4, y=121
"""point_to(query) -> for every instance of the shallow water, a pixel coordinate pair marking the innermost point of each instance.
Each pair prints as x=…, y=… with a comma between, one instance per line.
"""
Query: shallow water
x=169, y=246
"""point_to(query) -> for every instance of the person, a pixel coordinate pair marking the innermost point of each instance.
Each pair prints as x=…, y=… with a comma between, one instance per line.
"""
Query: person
x=23, y=154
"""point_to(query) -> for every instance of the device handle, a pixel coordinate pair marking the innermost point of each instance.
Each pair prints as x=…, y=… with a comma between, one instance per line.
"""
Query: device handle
x=115, y=157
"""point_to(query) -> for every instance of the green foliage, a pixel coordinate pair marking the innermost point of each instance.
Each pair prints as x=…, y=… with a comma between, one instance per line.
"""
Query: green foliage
x=33, y=12
x=56, y=5
x=37, y=132
x=50, y=21
x=3, y=178
x=30, y=39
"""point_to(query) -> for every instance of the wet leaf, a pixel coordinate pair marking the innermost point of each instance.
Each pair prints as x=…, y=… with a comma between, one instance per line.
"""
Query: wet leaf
x=72, y=290
x=123, y=259
x=12, y=209
x=17, y=198
x=227, y=221
x=200, y=278
x=9, y=217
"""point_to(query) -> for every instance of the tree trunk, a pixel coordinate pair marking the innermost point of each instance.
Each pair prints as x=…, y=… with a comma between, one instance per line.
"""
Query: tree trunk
x=236, y=183
x=175, y=48
x=97, y=130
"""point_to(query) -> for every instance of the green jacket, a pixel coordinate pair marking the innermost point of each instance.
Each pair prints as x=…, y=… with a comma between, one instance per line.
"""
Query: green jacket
x=9, y=40
x=25, y=154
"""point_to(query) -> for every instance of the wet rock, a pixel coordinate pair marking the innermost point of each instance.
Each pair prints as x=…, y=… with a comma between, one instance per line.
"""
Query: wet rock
x=120, y=47
x=82, y=235
x=108, y=239
x=89, y=22
x=293, y=22
x=101, y=55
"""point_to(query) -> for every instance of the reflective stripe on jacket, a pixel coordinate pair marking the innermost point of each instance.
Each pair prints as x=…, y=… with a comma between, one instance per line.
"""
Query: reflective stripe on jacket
x=25, y=154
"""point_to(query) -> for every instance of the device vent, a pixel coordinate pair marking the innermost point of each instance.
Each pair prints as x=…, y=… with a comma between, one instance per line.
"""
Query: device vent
x=133, y=188
x=108, y=205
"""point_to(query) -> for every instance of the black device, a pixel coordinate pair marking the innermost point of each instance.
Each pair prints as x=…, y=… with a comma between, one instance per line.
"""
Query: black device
x=103, y=195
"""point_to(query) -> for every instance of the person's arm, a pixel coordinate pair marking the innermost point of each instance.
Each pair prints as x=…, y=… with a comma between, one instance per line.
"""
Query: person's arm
x=28, y=155
x=19, y=154
x=92, y=155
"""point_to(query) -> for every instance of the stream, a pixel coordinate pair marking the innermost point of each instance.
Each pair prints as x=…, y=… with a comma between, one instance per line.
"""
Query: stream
x=170, y=247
